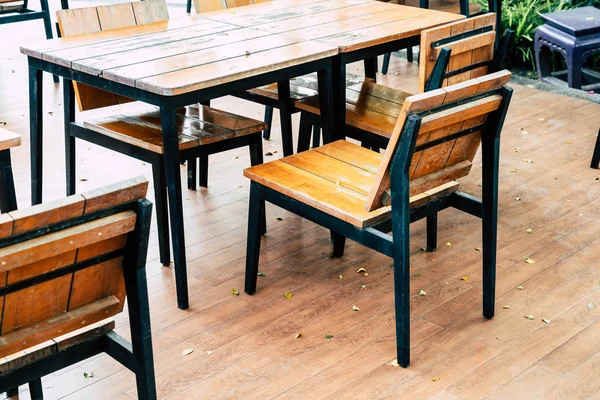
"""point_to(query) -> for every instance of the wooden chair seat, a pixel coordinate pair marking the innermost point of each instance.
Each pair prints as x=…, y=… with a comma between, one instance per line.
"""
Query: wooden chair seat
x=139, y=124
x=302, y=87
x=370, y=107
x=9, y=139
x=336, y=179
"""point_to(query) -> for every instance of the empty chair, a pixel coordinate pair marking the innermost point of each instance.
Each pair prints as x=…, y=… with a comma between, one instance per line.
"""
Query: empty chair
x=67, y=267
x=450, y=54
x=134, y=128
x=363, y=195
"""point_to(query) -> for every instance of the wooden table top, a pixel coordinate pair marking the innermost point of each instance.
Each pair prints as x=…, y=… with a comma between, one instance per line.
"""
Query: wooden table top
x=347, y=24
x=179, y=56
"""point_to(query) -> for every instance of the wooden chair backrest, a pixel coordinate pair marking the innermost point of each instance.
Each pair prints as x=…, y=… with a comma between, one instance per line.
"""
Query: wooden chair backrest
x=202, y=6
x=447, y=158
x=471, y=41
x=80, y=21
x=41, y=240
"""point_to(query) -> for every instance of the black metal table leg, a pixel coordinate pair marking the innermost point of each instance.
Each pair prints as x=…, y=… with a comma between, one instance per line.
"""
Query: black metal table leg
x=371, y=68
x=339, y=98
x=285, y=115
x=327, y=103
x=173, y=175
x=36, y=133
x=69, y=117
x=596, y=156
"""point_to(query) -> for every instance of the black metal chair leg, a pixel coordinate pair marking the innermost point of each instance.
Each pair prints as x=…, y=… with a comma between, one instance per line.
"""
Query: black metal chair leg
x=268, y=121
x=162, y=212
x=256, y=158
x=339, y=243
x=8, y=198
x=409, y=54
x=69, y=117
x=188, y=6
x=285, y=115
x=35, y=389
x=255, y=212
x=139, y=310
x=386, y=63
x=432, y=222
x=47, y=26
x=304, y=132
x=203, y=171
x=316, y=135
x=371, y=67
x=596, y=156
x=191, y=173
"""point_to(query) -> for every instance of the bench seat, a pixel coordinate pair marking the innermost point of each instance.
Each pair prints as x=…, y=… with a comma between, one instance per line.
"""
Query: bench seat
x=336, y=178
x=9, y=139
x=139, y=124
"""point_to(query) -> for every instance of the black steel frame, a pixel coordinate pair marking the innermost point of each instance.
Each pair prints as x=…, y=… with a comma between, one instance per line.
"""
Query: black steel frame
x=596, y=156
x=8, y=197
x=137, y=355
x=168, y=106
x=397, y=246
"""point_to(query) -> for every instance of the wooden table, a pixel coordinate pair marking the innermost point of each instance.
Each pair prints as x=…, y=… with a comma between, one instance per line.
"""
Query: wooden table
x=360, y=29
x=171, y=64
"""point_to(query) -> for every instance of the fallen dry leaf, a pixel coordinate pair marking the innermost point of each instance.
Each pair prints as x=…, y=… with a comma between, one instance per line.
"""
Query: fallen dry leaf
x=422, y=293
x=591, y=305
x=234, y=291
x=507, y=307
x=477, y=248
x=354, y=308
x=514, y=170
x=340, y=276
x=464, y=278
x=435, y=378
x=529, y=230
x=448, y=244
x=529, y=260
x=358, y=271
x=518, y=198
x=187, y=352
x=530, y=316
x=298, y=335
x=547, y=321
x=328, y=336
x=287, y=295
x=260, y=274
x=395, y=363
x=209, y=352
x=520, y=287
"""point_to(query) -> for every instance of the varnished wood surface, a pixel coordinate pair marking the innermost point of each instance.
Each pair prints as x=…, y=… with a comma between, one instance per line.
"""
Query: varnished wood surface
x=347, y=24
x=9, y=139
x=254, y=352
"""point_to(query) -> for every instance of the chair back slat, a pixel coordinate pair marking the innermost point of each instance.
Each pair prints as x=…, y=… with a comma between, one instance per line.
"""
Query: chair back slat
x=62, y=263
x=202, y=6
x=448, y=138
x=80, y=21
x=472, y=44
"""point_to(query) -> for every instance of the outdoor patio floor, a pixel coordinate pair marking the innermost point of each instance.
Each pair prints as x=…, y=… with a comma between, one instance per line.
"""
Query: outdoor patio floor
x=245, y=347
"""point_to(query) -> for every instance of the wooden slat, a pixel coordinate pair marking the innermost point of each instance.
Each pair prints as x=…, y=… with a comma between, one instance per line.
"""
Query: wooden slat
x=32, y=335
x=35, y=217
x=354, y=155
x=465, y=52
x=9, y=139
x=265, y=6
x=449, y=6
x=236, y=68
x=207, y=55
x=149, y=11
x=20, y=254
x=116, y=16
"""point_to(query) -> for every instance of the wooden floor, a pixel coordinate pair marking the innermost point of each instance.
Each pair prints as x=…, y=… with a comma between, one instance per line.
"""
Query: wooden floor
x=246, y=347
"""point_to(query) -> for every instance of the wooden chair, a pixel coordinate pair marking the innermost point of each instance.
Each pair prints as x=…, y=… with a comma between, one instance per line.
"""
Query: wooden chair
x=8, y=198
x=18, y=11
x=299, y=88
x=596, y=156
x=464, y=7
x=66, y=267
x=450, y=54
x=362, y=195
x=134, y=128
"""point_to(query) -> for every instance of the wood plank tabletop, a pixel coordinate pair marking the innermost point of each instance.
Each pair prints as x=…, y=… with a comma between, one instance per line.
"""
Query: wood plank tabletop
x=179, y=56
x=347, y=24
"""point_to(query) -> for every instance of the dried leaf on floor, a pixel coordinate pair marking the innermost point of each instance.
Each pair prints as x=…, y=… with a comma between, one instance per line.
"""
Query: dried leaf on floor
x=506, y=307
x=260, y=274
x=340, y=276
x=591, y=305
x=448, y=244
x=514, y=170
x=235, y=291
x=358, y=271
x=520, y=287
x=279, y=219
x=354, y=308
x=209, y=352
x=395, y=363
x=287, y=295
x=187, y=352
x=464, y=278
x=529, y=230
x=422, y=293
x=328, y=336
x=477, y=248
x=86, y=375
x=529, y=316
x=529, y=260
x=518, y=198
x=546, y=321
x=417, y=274
x=298, y=335
x=435, y=378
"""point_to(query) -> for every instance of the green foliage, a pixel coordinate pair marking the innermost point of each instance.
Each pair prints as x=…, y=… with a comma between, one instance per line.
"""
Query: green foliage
x=523, y=17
